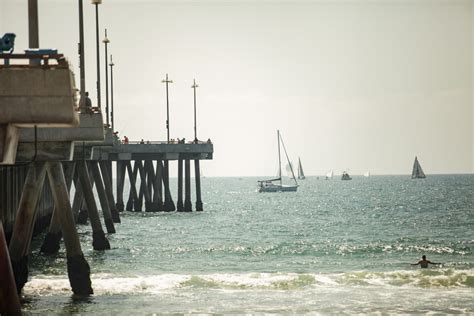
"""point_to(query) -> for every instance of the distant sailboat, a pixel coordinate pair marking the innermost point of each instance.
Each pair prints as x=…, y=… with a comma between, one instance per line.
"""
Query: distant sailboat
x=345, y=176
x=300, y=170
x=367, y=174
x=269, y=185
x=329, y=175
x=417, y=172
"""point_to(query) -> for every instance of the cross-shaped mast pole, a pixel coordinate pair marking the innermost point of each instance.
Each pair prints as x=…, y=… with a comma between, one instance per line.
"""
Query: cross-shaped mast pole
x=167, y=81
x=194, y=86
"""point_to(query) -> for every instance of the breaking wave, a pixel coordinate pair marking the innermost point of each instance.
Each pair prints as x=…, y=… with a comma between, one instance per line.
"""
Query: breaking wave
x=107, y=284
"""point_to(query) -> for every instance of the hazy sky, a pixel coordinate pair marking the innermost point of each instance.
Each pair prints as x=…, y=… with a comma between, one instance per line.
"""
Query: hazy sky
x=352, y=85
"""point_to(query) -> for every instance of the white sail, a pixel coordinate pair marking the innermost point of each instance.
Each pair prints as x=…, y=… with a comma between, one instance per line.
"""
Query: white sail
x=417, y=172
x=300, y=170
x=330, y=174
x=367, y=174
x=289, y=167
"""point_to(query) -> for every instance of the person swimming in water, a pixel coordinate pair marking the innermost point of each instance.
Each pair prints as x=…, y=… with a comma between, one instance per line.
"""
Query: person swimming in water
x=423, y=262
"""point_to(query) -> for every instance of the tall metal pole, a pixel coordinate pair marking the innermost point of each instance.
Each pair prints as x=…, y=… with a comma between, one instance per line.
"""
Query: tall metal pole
x=112, y=92
x=82, y=57
x=33, y=33
x=106, y=42
x=33, y=37
x=167, y=108
x=194, y=86
x=96, y=3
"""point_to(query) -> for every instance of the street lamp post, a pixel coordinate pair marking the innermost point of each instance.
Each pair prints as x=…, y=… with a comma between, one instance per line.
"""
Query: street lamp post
x=112, y=92
x=167, y=107
x=194, y=86
x=82, y=58
x=106, y=41
x=96, y=3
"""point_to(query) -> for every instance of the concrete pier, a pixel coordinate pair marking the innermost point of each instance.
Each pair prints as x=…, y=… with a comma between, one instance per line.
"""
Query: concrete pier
x=133, y=195
x=53, y=237
x=168, y=204
x=144, y=188
x=77, y=266
x=104, y=203
x=121, y=169
x=179, y=203
x=9, y=299
x=78, y=198
x=188, y=207
x=23, y=228
x=104, y=168
x=99, y=241
x=197, y=176
x=158, y=197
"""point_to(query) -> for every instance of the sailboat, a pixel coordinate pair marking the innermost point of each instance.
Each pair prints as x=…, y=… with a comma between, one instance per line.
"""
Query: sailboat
x=329, y=175
x=417, y=172
x=276, y=185
x=367, y=174
x=300, y=170
x=345, y=176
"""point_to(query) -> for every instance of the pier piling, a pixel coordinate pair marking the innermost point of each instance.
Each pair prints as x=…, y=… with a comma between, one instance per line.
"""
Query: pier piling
x=53, y=236
x=158, y=197
x=23, y=228
x=104, y=168
x=144, y=188
x=99, y=241
x=179, y=203
x=121, y=168
x=9, y=300
x=197, y=175
x=168, y=204
x=77, y=266
x=104, y=203
x=188, y=207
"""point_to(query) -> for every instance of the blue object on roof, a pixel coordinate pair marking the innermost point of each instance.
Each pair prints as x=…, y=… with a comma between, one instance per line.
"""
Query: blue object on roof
x=41, y=51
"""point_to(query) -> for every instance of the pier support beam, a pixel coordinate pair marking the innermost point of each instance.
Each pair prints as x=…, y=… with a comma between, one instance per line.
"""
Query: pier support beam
x=121, y=168
x=53, y=237
x=144, y=187
x=179, y=203
x=133, y=190
x=197, y=175
x=99, y=241
x=104, y=168
x=24, y=223
x=188, y=207
x=77, y=201
x=104, y=203
x=9, y=300
x=77, y=266
x=158, y=186
x=152, y=186
x=169, y=204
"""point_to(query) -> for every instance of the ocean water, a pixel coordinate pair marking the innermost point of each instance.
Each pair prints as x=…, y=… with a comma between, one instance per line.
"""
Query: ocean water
x=332, y=247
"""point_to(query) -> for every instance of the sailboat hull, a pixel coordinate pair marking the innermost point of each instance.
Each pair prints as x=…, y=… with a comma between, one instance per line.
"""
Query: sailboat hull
x=277, y=188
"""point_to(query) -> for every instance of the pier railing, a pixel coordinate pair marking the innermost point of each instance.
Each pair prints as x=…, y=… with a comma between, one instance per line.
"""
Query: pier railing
x=160, y=142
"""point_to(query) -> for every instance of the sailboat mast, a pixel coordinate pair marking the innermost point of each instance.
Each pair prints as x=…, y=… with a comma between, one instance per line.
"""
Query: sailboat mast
x=299, y=168
x=288, y=159
x=279, y=159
